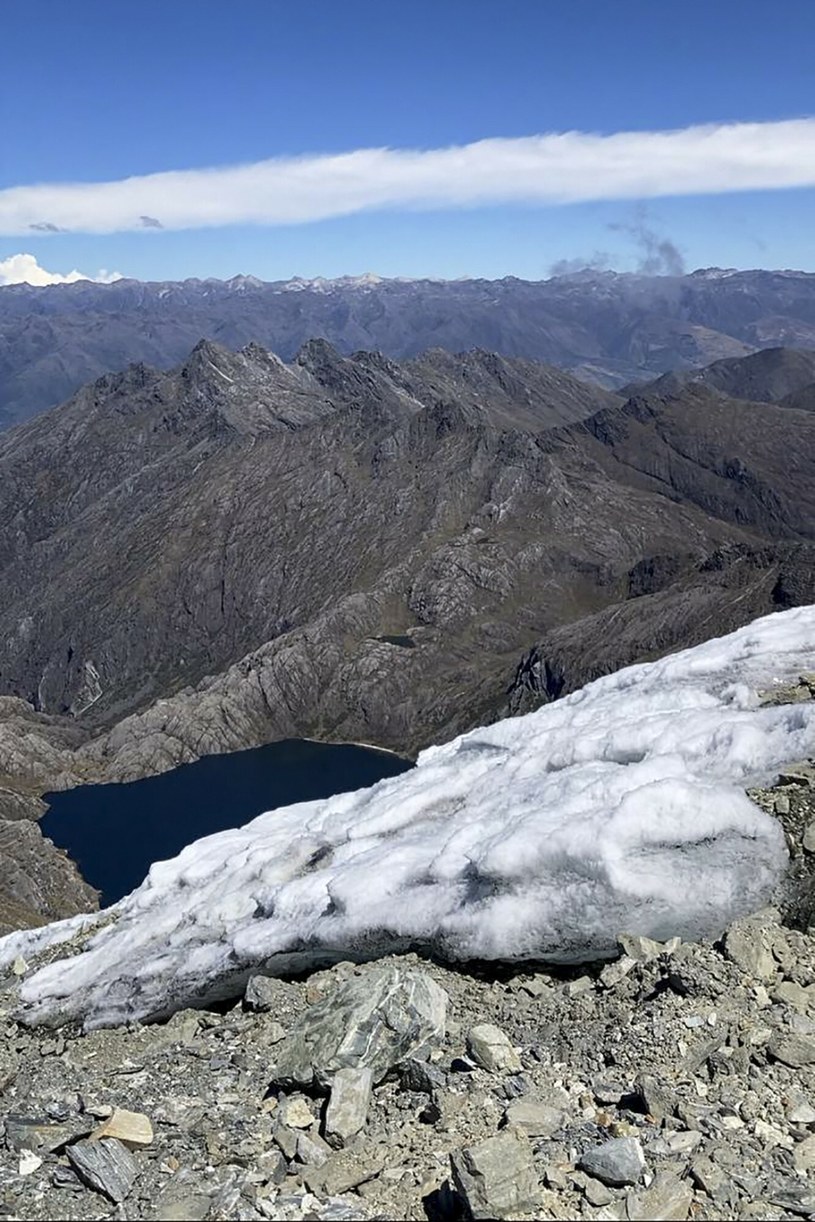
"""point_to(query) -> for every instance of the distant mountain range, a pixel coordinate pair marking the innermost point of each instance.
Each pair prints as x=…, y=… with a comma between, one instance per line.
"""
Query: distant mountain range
x=613, y=329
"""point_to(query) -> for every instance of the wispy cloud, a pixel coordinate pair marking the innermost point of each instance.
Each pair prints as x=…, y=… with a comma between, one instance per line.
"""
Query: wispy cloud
x=599, y=261
x=553, y=169
x=24, y=269
x=659, y=255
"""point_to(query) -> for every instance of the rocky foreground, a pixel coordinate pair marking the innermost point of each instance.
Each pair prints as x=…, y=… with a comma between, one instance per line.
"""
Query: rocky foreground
x=676, y=1081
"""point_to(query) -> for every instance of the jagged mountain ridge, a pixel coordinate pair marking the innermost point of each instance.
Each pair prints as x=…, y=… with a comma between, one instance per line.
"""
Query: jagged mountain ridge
x=372, y=535
x=234, y=499
x=242, y=550
x=612, y=328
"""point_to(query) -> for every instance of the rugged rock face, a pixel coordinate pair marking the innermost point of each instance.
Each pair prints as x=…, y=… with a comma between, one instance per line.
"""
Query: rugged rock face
x=322, y=488
x=373, y=531
x=38, y=882
x=672, y=603
x=611, y=328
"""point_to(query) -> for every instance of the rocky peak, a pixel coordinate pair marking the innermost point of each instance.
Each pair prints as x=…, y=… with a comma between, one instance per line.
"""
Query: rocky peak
x=207, y=360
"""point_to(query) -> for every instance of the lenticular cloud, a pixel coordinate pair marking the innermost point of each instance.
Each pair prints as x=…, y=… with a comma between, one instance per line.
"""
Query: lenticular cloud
x=551, y=168
x=621, y=807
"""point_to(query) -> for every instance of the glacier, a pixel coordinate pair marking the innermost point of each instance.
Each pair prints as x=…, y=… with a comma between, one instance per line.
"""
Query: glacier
x=621, y=807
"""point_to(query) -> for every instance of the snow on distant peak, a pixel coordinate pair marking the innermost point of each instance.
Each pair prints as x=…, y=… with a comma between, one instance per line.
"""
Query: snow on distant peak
x=620, y=807
x=714, y=273
x=319, y=284
x=240, y=284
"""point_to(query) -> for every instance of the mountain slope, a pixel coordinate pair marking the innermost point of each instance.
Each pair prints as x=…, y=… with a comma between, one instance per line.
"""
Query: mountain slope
x=355, y=548
x=612, y=328
x=238, y=498
x=774, y=375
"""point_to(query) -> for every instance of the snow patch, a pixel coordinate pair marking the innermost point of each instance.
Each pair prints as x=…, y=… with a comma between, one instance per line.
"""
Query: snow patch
x=225, y=377
x=621, y=807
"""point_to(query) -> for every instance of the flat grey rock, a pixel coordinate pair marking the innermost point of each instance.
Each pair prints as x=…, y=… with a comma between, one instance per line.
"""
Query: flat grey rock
x=348, y=1102
x=106, y=1166
x=491, y=1049
x=617, y=1162
x=667, y=1198
x=534, y=1118
x=793, y=1050
x=497, y=1177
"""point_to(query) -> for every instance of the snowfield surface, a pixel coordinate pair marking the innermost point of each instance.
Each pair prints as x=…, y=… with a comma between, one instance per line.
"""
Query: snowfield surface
x=621, y=807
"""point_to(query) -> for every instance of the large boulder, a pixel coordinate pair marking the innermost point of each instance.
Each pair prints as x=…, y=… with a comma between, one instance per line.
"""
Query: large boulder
x=372, y=1021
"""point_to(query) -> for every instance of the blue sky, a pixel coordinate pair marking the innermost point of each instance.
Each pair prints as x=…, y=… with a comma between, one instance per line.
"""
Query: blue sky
x=93, y=91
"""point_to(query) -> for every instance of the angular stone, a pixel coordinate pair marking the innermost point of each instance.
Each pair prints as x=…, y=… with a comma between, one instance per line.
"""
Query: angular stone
x=795, y=995
x=668, y=1198
x=132, y=1129
x=421, y=1076
x=272, y=1165
x=803, y=1156
x=29, y=1162
x=534, y=1119
x=617, y=1162
x=793, y=1050
x=657, y=1099
x=286, y=1141
x=312, y=1150
x=43, y=1135
x=263, y=994
x=583, y=984
x=374, y=1020
x=748, y=945
x=535, y=987
x=683, y=1142
x=297, y=1114
x=497, y=1177
x=348, y=1103
x=641, y=949
x=614, y=972
x=490, y=1048
x=106, y=1166
x=809, y=838
x=710, y=1178
x=343, y=1171
x=801, y=1112
x=596, y=1193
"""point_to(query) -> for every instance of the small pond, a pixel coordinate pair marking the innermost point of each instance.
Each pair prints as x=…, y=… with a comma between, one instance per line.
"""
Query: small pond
x=115, y=832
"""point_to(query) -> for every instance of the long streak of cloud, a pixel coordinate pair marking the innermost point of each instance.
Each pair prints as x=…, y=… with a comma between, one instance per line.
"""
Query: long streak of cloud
x=548, y=169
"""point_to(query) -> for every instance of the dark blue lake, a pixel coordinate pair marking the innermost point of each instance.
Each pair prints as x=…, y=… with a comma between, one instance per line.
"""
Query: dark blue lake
x=115, y=832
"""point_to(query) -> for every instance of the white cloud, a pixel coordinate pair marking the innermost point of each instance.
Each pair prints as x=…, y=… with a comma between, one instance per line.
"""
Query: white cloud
x=24, y=269
x=556, y=168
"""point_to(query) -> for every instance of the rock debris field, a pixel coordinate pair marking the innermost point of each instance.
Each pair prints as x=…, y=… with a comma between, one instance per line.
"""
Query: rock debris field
x=674, y=1081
